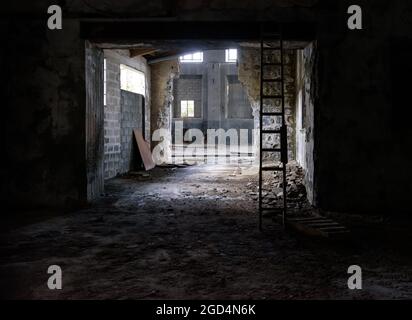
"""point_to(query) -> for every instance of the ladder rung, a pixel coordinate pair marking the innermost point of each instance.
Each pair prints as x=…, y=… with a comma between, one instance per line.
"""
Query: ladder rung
x=271, y=150
x=272, y=114
x=272, y=80
x=272, y=169
x=271, y=131
x=272, y=97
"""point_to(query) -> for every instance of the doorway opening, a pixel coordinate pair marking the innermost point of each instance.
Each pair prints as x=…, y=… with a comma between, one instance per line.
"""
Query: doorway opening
x=197, y=106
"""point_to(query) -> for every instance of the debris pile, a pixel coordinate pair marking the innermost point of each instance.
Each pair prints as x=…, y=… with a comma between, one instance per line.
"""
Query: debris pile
x=272, y=193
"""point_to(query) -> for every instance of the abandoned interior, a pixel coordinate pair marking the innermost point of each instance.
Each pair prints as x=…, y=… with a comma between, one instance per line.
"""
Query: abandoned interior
x=135, y=141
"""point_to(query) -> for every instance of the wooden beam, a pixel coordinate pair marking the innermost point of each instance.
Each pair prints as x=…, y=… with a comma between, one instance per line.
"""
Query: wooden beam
x=141, y=51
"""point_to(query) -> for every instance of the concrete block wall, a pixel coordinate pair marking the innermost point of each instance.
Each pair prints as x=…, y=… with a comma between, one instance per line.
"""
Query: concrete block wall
x=112, y=119
x=131, y=118
x=188, y=87
x=208, y=81
x=115, y=160
x=237, y=103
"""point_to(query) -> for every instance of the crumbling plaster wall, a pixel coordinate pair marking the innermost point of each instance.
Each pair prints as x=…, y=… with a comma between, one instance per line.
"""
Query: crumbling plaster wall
x=249, y=75
x=306, y=86
x=162, y=75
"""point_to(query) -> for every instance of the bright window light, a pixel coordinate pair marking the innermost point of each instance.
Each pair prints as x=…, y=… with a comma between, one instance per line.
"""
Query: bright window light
x=132, y=80
x=192, y=57
x=187, y=108
x=231, y=55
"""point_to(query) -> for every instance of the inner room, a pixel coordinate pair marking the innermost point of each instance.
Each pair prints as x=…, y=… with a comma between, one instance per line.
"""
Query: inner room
x=197, y=108
x=207, y=97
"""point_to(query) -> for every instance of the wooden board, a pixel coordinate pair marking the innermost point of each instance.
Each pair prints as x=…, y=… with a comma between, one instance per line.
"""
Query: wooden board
x=144, y=150
x=318, y=226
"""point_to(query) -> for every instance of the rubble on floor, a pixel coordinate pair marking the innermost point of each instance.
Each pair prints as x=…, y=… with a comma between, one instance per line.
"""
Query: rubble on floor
x=272, y=193
x=192, y=233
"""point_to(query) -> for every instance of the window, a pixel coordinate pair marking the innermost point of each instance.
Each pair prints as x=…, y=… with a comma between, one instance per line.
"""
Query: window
x=231, y=55
x=132, y=80
x=187, y=108
x=192, y=57
x=104, y=83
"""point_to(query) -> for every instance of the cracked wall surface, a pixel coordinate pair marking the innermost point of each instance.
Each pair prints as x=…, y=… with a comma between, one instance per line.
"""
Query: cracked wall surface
x=162, y=77
x=249, y=75
x=306, y=85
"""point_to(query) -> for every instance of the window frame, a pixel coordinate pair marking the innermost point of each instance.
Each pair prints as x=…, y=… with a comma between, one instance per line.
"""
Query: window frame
x=187, y=109
x=228, y=54
x=191, y=59
x=137, y=72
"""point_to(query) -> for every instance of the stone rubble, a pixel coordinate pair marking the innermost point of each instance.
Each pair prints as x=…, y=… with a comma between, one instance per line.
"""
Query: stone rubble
x=273, y=193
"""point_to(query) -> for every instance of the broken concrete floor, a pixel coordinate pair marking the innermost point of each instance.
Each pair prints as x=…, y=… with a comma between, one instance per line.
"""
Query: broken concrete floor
x=191, y=232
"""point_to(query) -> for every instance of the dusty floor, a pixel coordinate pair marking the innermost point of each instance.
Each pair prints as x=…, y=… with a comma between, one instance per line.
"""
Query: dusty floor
x=191, y=232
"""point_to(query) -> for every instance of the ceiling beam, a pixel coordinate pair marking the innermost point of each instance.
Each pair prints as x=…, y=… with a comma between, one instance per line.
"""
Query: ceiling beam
x=139, y=31
x=141, y=51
